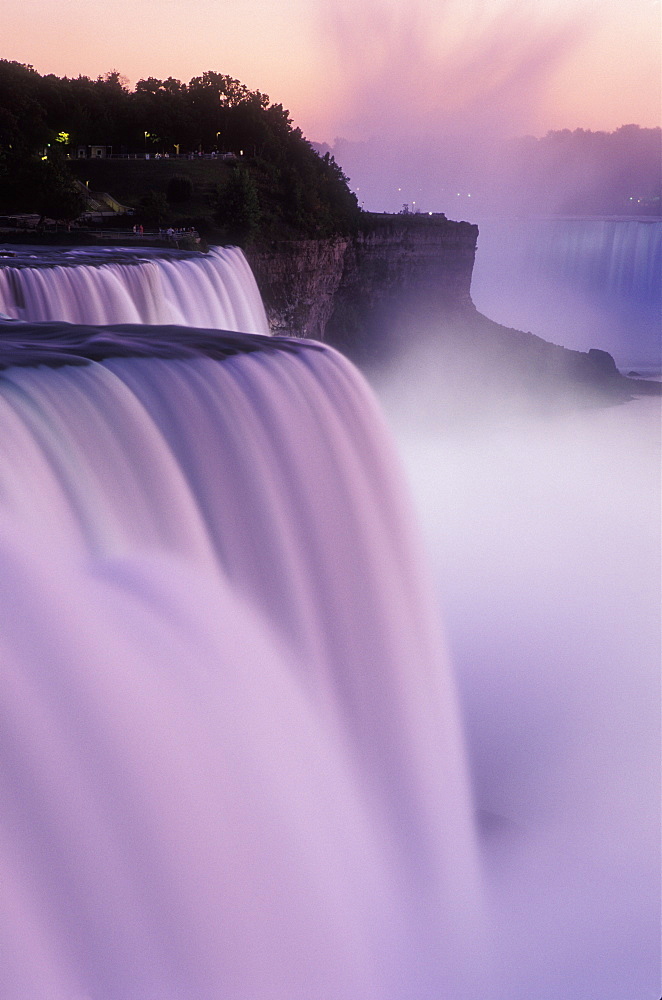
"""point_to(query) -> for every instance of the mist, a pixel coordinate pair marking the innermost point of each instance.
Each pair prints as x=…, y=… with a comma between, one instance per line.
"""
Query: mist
x=436, y=101
x=544, y=536
x=542, y=526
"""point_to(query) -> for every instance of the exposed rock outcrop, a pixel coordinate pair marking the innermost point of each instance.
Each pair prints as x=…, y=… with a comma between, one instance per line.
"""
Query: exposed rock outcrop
x=402, y=285
x=341, y=289
x=298, y=280
x=401, y=277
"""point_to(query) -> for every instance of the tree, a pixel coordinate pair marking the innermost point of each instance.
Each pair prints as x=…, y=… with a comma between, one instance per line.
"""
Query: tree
x=57, y=195
x=287, y=190
x=220, y=89
x=238, y=207
x=154, y=208
x=179, y=189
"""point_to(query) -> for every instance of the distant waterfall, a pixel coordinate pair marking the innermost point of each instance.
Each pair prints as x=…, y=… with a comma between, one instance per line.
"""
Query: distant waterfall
x=98, y=287
x=581, y=283
x=232, y=767
x=623, y=257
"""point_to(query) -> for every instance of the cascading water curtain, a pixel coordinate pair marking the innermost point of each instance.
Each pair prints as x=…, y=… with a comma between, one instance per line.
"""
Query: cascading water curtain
x=232, y=759
x=215, y=290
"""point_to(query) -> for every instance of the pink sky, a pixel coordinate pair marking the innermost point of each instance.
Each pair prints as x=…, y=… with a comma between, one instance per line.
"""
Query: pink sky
x=380, y=67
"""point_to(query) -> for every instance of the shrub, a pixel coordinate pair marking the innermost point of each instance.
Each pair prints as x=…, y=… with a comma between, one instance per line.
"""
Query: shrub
x=154, y=208
x=180, y=189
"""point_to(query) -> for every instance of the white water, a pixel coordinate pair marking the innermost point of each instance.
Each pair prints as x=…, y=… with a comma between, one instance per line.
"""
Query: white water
x=232, y=765
x=215, y=290
x=581, y=283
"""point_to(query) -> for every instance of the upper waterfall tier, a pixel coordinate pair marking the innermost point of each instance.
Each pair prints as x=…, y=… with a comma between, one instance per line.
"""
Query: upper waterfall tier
x=102, y=287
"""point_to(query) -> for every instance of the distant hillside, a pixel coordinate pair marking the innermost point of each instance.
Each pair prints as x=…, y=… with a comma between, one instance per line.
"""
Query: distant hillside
x=275, y=184
x=565, y=172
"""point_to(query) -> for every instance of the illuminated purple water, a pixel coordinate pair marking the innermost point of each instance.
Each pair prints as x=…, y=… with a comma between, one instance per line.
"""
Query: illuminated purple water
x=98, y=287
x=232, y=760
x=578, y=282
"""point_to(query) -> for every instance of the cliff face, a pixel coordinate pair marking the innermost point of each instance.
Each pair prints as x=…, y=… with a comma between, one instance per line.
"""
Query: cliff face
x=298, y=281
x=345, y=290
x=400, y=278
x=403, y=283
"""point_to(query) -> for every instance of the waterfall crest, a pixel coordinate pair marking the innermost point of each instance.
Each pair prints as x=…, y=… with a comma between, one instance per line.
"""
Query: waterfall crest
x=233, y=765
x=622, y=256
x=582, y=283
x=216, y=290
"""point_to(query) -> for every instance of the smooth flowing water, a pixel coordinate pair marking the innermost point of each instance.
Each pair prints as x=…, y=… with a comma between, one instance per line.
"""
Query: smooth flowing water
x=232, y=759
x=581, y=283
x=92, y=286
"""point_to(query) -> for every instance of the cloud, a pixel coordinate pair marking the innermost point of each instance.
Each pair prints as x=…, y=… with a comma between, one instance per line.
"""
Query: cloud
x=407, y=72
x=430, y=92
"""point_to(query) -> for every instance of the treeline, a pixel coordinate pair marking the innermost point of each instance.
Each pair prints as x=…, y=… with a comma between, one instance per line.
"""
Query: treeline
x=566, y=172
x=280, y=188
x=580, y=172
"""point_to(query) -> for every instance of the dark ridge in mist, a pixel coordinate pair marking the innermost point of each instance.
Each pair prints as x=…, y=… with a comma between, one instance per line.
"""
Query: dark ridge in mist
x=55, y=344
x=566, y=172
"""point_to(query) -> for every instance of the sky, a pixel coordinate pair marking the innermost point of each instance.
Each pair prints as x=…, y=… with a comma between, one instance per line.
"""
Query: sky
x=376, y=68
x=410, y=95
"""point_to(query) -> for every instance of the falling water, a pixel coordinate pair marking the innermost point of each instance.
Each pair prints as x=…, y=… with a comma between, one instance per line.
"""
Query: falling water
x=232, y=761
x=91, y=286
x=578, y=282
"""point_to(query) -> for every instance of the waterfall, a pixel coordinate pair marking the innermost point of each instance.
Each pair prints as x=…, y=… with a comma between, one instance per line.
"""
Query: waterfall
x=623, y=257
x=91, y=286
x=581, y=283
x=232, y=759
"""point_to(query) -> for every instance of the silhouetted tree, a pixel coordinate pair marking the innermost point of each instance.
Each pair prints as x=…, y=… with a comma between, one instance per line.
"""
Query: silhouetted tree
x=57, y=196
x=154, y=209
x=286, y=186
x=238, y=207
x=179, y=189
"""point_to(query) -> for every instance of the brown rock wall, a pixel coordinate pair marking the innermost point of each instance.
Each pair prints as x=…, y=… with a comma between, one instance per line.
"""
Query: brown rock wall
x=298, y=280
x=340, y=289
